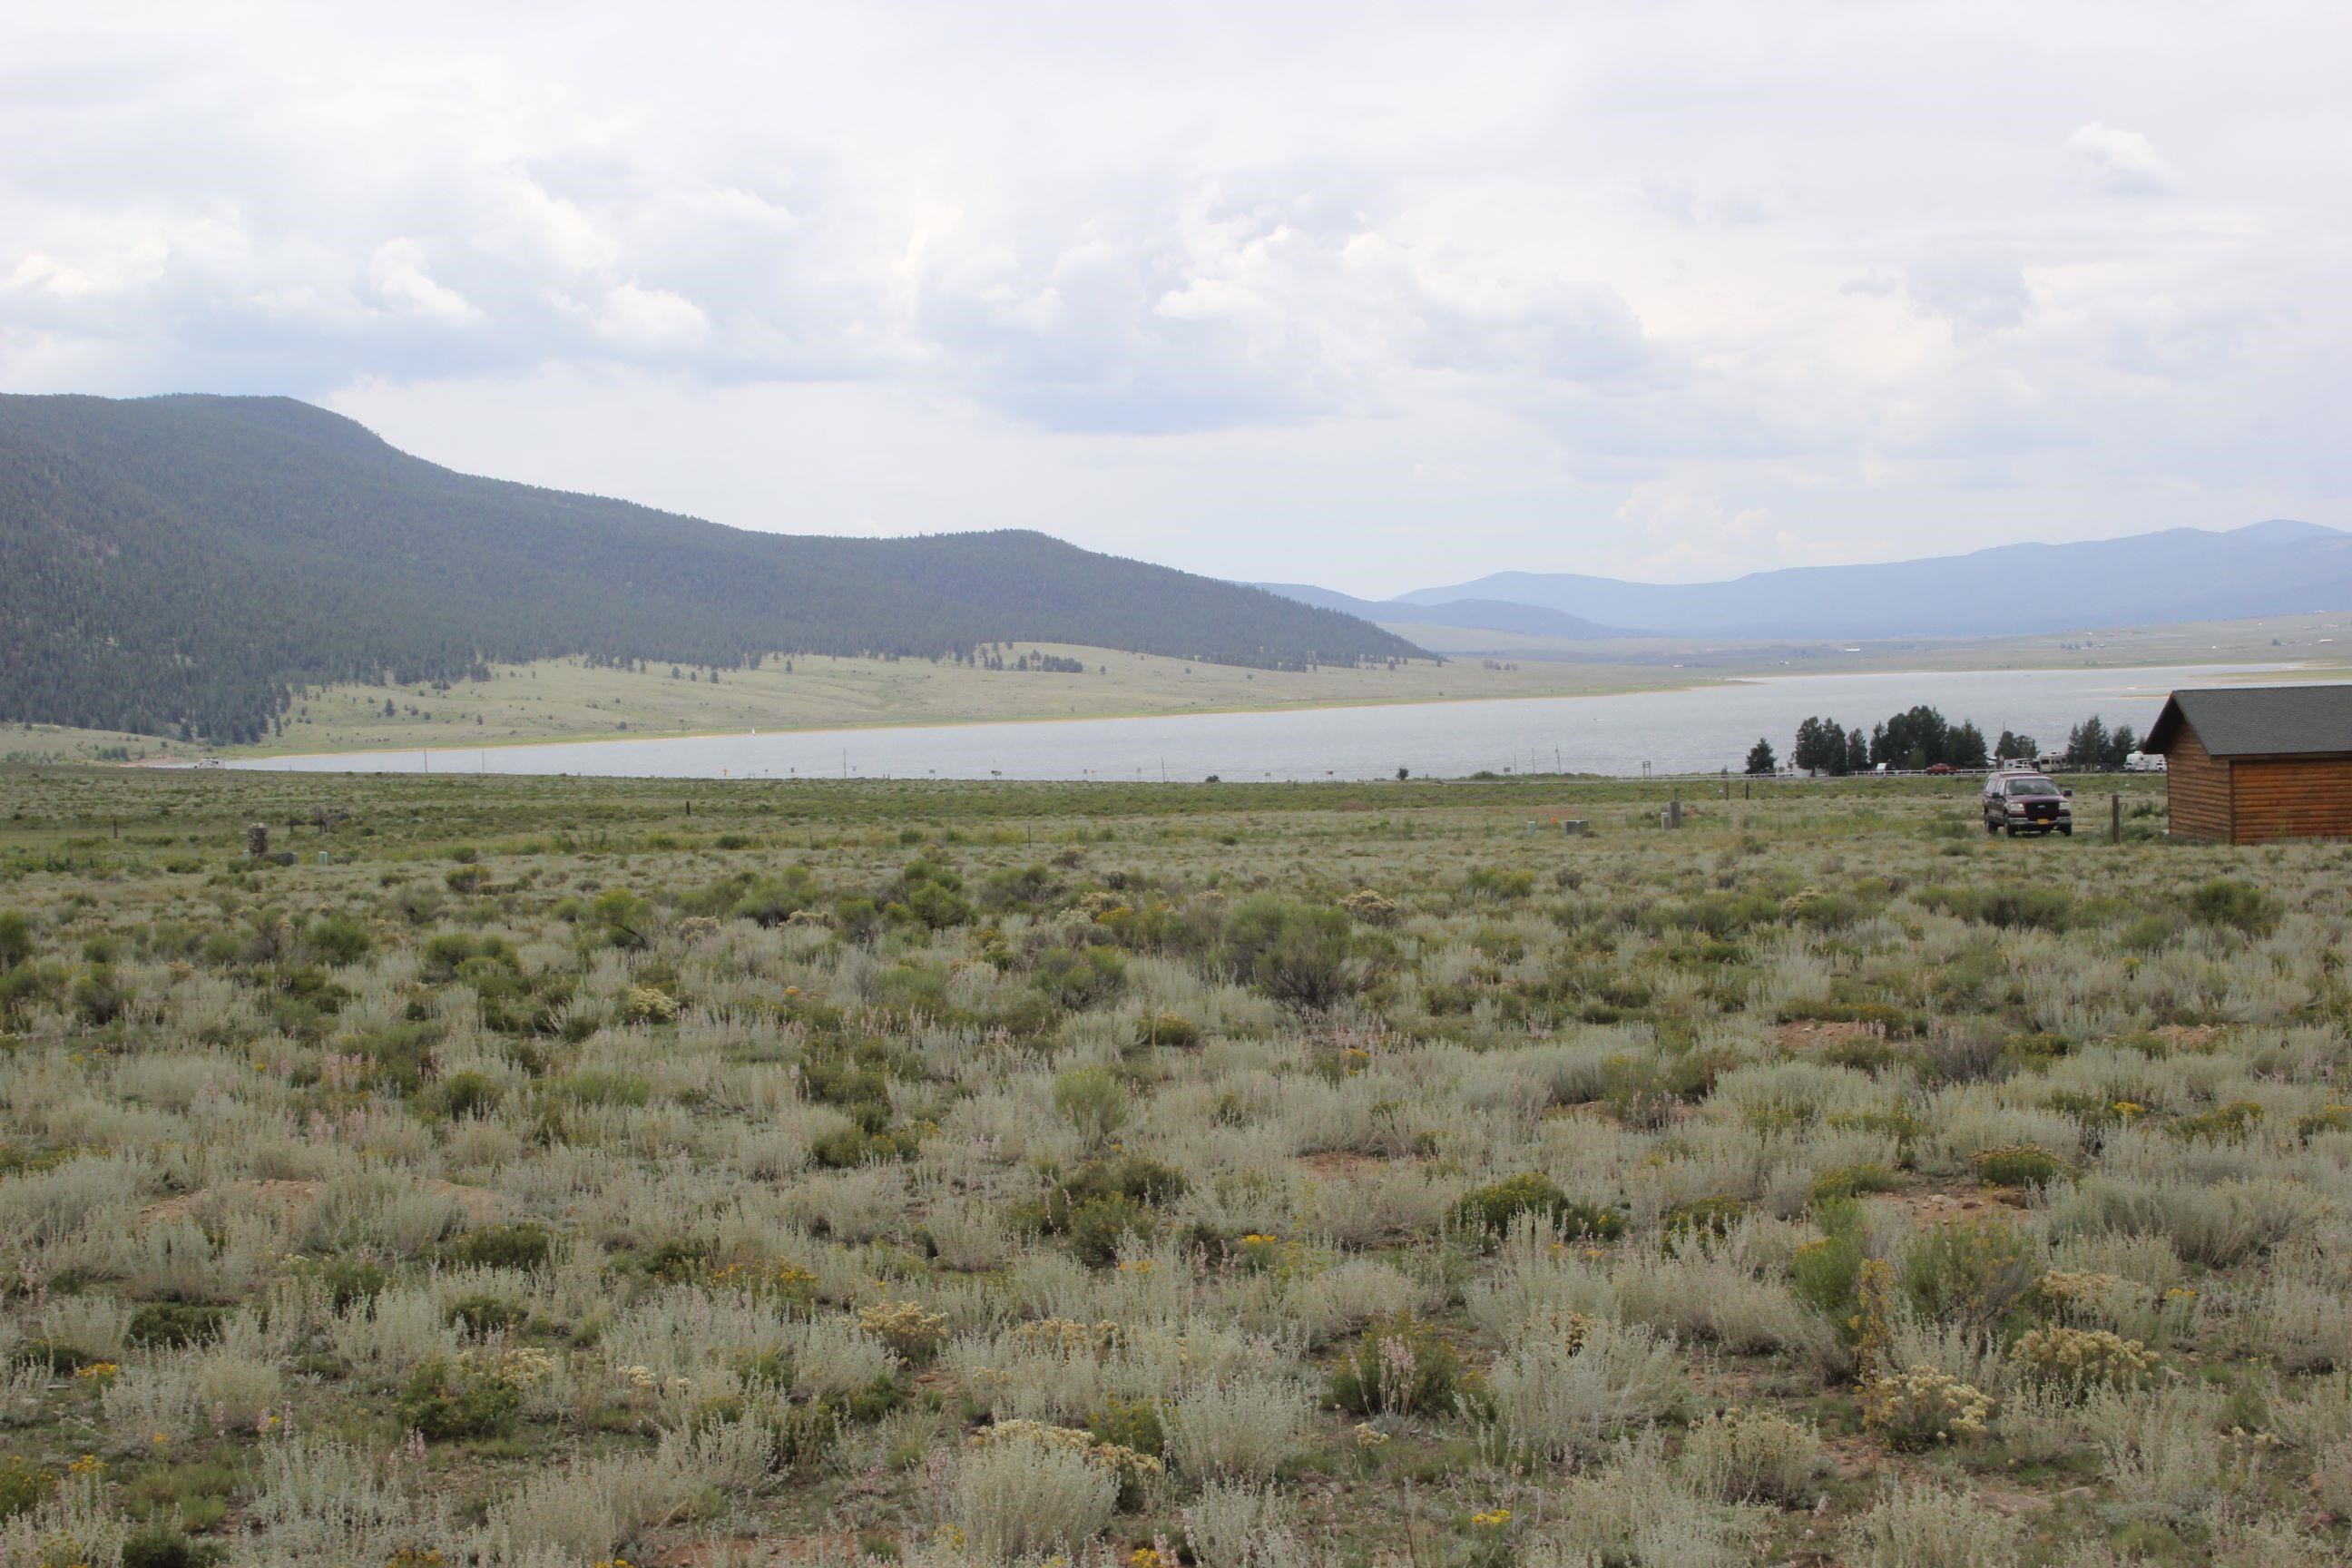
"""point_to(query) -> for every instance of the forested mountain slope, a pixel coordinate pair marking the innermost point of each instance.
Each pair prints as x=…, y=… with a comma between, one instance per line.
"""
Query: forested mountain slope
x=176, y=564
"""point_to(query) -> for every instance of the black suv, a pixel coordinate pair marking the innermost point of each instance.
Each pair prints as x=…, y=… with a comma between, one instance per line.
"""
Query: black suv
x=2017, y=803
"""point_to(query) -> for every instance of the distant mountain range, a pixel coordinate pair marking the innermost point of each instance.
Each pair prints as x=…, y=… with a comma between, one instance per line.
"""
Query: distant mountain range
x=178, y=564
x=1477, y=615
x=2272, y=568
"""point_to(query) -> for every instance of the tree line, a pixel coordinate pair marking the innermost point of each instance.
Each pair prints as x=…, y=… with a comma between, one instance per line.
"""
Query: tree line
x=1922, y=737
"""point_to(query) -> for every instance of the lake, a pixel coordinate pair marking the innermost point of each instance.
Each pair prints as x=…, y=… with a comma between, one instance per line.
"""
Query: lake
x=1698, y=730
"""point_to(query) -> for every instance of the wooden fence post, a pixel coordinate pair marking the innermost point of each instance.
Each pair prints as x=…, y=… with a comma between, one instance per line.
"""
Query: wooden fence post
x=2114, y=819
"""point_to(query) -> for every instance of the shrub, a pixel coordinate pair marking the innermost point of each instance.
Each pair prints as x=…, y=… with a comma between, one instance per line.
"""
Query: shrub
x=1133, y=1176
x=1712, y=1216
x=908, y=1330
x=474, y=1394
x=1850, y=1182
x=1401, y=1366
x=24, y=1485
x=173, y=1323
x=2234, y=905
x=932, y=894
x=484, y=1313
x=1076, y=978
x=1098, y=1225
x=523, y=1246
x=1235, y=1524
x=337, y=938
x=15, y=938
x=162, y=1546
x=1742, y=1455
x=2327, y=1119
x=1024, y=1489
x=1293, y=952
x=1922, y=1407
x=1932, y=1526
x=2231, y=1123
x=1372, y=908
x=1826, y=1275
x=1249, y=1427
x=771, y=901
x=2082, y=1359
x=1498, y=882
x=1164, y=1028
x=648, y=1005
x=1130, y=1427
x=1489, y=1210
x=2331, y=1478
x=1092, y=1099
x=1556, y=1396
x=2020, y=1165
x=1970, y=1273
x=2086, y=1294
x=2013, y=906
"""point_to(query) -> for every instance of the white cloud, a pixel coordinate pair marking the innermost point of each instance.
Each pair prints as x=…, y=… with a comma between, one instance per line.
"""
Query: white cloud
x=1229, y=287
x=2119, y=163
x=641, y=318
x=398, y=274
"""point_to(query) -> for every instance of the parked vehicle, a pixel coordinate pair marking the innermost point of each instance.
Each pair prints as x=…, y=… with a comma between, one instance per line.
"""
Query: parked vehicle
x=2018, y=802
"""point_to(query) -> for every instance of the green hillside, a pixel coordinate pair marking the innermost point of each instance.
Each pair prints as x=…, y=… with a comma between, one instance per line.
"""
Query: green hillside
x=181, y=565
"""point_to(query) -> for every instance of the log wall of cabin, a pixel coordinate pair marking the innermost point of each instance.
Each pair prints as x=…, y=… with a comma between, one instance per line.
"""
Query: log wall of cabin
x=2196, y=789
x=2290, y=797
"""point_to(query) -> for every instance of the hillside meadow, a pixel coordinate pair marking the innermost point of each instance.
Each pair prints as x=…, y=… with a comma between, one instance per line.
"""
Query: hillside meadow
x=572, y=700
x=549, y=1173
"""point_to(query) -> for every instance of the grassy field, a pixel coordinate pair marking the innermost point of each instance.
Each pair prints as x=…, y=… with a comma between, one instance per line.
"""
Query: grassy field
x=562, y=699
x=542, y=1172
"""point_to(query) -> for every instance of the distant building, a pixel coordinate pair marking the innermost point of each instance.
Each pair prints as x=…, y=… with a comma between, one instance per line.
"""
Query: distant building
x=2246, y=764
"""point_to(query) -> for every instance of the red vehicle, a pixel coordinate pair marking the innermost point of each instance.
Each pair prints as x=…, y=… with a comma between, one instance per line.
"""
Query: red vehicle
x=1939, y=767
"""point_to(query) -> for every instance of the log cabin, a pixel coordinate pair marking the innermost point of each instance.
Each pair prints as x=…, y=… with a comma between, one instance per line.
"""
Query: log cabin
x=2247, y=765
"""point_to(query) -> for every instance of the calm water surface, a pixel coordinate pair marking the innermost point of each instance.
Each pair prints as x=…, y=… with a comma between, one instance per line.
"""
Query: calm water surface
x=1696, y=730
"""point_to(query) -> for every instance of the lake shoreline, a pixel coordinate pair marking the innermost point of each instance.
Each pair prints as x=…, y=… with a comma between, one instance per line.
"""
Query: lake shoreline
x=248, y=756
x=2299, y=671
x=1699, y=727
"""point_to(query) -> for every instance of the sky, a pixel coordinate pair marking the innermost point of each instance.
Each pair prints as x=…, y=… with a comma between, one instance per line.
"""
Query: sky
x=1373, y=296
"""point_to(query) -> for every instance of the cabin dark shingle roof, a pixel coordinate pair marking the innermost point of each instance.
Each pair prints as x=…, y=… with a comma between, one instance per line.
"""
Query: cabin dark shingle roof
x=2259, y=720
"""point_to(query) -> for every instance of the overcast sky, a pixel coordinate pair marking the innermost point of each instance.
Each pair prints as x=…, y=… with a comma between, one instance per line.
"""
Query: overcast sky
x=1376, y=297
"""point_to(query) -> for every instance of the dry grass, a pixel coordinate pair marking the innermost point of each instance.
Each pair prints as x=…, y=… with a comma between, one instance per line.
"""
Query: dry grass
x=590, y=1202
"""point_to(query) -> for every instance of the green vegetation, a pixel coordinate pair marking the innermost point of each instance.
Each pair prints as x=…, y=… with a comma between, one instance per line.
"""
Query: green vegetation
x=186, y=566
x=963, y=1175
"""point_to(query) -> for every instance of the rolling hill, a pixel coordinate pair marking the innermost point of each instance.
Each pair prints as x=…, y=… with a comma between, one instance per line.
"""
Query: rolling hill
x=179, y=564
x=2180, y=574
